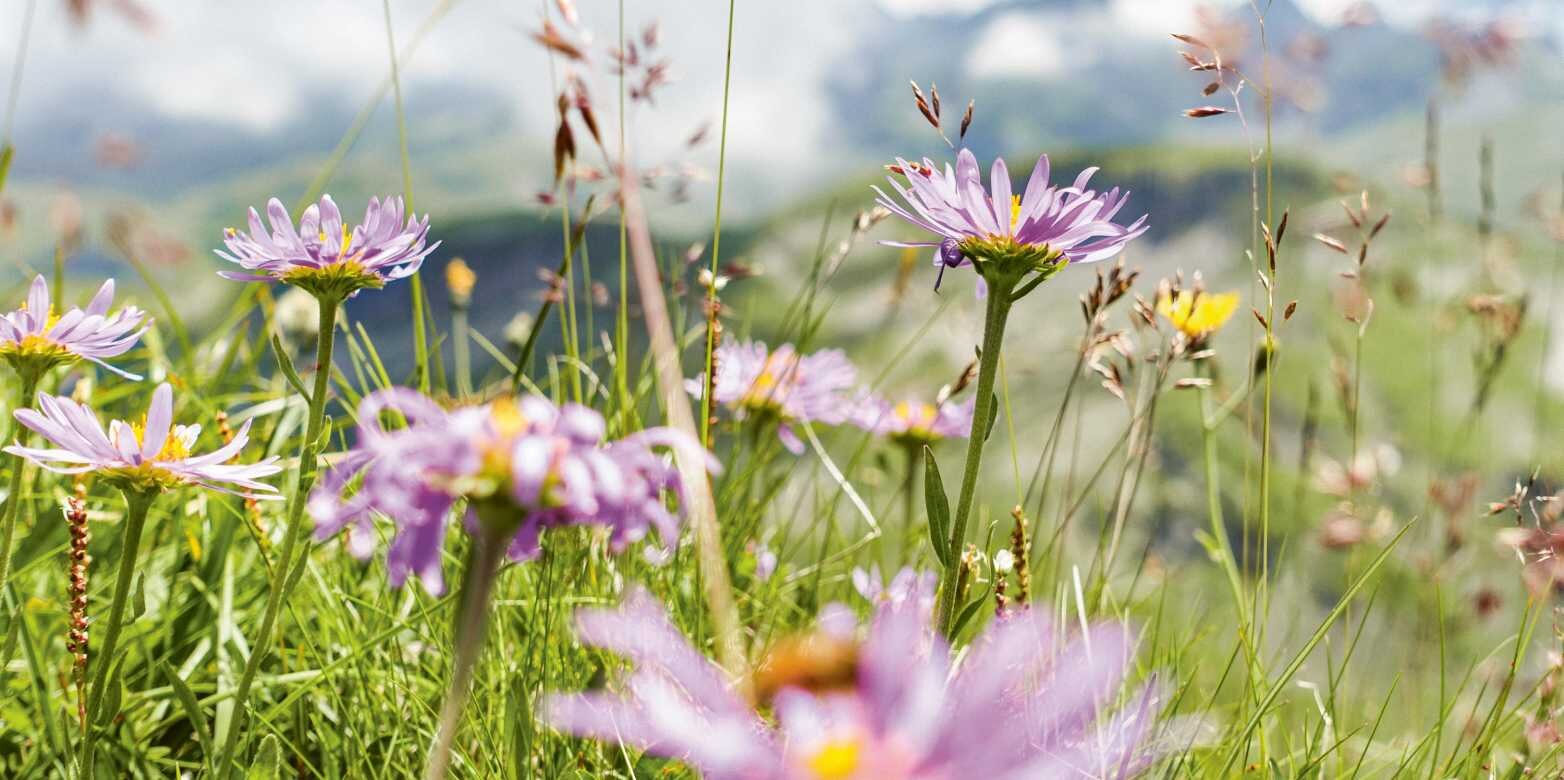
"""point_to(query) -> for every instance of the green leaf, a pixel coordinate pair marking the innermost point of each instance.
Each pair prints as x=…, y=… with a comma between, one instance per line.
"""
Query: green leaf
x=113, y=692
x=937, y=506
x=993, y=416
x=967, y=613
x=286, y=364
x=268, y=760
x=192, y=707
x=6, y=153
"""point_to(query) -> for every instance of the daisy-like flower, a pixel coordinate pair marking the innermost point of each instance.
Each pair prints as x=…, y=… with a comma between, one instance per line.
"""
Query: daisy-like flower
x=148, y=457
x=1196, y=313
x=1007, y=236
x=1024, y=702
x=36, y=338
x=782, y=385
x=325, y=256
x=521, y=465
x=916, y=422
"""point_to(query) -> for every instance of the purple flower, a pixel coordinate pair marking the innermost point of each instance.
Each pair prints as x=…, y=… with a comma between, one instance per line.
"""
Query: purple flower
x=323, y=255
x=782, y=385
x=36, y=338
x=1025, y=702
x=1043, y=228
x=908, y=586
x=151, y=455
x=915, y=422
x=524, y=464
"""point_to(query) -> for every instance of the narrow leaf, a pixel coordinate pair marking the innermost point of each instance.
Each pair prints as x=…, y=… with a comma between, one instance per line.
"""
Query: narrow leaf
x=937, y=506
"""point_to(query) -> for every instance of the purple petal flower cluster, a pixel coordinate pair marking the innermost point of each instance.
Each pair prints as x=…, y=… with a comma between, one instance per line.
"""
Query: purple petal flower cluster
x=782, y=384
x=526, y=462
x=323, y=255
x=1070, y=223
x=915, y=422
x=151, y=455
x=1025, y=702
x=37, y=337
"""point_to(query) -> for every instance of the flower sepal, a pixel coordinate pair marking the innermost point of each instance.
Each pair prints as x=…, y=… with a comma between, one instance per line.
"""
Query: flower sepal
x=1010, y=266
x=334, y=283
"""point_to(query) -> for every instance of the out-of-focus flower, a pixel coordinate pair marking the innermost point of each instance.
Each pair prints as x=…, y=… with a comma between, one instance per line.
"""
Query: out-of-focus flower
x=1041, y=230
x=35, y=338
x=909, y=585
x=114, y=150
x=66, y=218
x=322, y=255
x=782, y=385
x=146, y=456
x=518, y=329
x=1196, y=313
x=915, y=422
x=522, y=466
x=297, y=314
x=1333, y=478
x=1024, y=702
x=765, y=562
x=459, y=282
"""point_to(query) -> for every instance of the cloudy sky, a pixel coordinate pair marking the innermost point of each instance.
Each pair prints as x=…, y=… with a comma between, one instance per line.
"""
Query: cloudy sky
x=262, y=67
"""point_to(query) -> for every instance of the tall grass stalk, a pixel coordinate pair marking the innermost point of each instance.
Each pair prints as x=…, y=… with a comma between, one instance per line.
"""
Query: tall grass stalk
x=14, y=496
x=699, y=505
x=716, y=239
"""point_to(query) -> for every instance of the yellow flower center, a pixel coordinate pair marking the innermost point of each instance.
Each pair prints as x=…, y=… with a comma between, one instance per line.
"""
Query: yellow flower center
x=837, y=760
x=919, y=418
x=1198, y=314
x=1015, y=210
x=766, y=391
x=173, y=448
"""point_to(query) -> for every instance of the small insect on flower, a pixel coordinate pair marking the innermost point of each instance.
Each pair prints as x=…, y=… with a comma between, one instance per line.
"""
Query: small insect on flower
x=891, y=703
x=324, y=256
x=915, y=422
x=35, y=338
x=147, y=456
x=782, y=386
x=521, y=465
x=1007, y=236
x=1195, y=313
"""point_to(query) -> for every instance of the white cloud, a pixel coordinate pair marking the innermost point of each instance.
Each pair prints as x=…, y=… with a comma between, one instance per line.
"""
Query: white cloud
x=929, y=7
x=1026, y=46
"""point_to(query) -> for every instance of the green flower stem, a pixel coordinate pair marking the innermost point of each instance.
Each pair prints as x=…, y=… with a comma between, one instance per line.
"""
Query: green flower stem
x=483, y=564
x=309, y=453
x=137, y=502
x=1000, y=299
x=459, y=346
x=13, y=498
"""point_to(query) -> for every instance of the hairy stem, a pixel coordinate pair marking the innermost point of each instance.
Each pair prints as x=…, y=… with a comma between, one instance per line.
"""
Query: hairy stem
x=136, y=505
x=995, y=315
x=309, y=453
x=483, y=563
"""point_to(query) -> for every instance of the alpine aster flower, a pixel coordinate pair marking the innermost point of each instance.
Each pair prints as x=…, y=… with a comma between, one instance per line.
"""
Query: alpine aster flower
x=781, y=385
x=1040, y=230
x=35, y=338
x=147, y=456
x=915, y=422
x=522, y=465
x=1025, y=702
x=323, y=255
